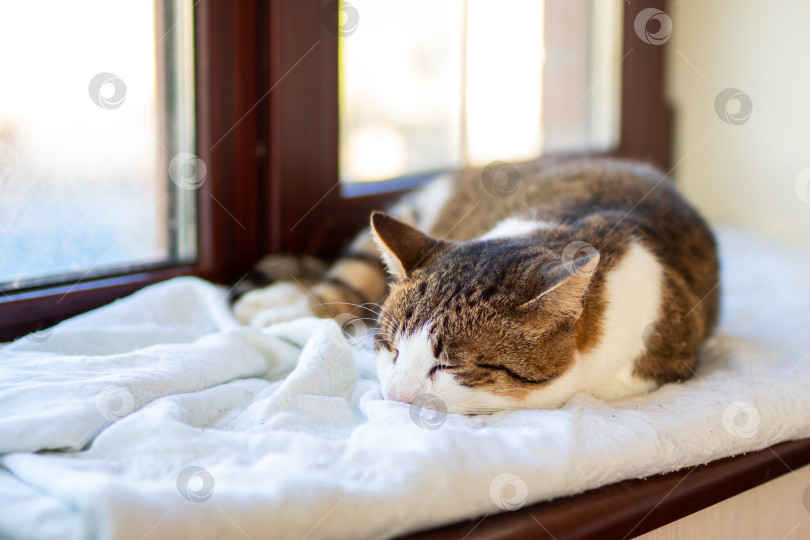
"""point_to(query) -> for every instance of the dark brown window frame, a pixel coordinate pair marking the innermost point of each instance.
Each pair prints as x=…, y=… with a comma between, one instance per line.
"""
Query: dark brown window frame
x=267, y=129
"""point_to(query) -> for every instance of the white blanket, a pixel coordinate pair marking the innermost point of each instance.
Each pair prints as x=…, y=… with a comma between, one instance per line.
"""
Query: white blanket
x=182, y=424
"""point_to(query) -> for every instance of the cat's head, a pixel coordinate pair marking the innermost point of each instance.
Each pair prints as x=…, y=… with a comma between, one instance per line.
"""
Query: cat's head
x=482, y=325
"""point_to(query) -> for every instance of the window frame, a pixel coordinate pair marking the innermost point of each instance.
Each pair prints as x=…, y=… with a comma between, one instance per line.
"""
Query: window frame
x=228, y=232
x=267, y=128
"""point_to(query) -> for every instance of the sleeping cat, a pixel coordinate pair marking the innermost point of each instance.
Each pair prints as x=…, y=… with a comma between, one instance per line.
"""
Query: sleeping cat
x=519, y=286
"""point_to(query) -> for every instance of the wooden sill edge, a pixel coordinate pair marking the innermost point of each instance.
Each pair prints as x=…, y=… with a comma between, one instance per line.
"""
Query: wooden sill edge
x=633, y=507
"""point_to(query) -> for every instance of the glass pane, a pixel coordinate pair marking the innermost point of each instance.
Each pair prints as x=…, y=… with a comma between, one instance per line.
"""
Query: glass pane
x=503, y=84
x=401, y=73
x=94, y=104
x=473, y=82
x=581, y=77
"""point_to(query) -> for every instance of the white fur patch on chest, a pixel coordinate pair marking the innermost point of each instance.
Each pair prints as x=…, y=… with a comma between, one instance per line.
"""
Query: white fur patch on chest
x=510, y=227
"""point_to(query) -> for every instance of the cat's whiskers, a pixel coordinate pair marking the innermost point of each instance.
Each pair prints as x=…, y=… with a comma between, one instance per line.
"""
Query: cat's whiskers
x=361, y=306
x=382, y=316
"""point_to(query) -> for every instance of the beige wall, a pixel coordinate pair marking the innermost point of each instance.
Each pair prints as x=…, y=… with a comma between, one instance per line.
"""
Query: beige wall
x=743, y=174
x=777, y=509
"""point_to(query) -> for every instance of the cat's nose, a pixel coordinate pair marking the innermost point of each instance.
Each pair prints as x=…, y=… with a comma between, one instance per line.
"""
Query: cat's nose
x=396, y=394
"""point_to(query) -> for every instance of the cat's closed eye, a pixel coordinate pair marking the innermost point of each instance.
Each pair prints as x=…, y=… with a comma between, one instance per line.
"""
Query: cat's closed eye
x=441, y=365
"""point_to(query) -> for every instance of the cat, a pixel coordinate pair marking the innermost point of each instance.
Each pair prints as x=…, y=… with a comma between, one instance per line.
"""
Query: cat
x=518, y=286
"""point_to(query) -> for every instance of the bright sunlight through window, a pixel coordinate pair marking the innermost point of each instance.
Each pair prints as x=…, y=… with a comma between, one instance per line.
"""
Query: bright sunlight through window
x=428, y=86
x=91, y=113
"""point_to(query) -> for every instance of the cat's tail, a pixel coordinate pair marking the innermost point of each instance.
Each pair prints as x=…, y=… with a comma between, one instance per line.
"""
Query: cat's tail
x=284, y=287
x=279, y=267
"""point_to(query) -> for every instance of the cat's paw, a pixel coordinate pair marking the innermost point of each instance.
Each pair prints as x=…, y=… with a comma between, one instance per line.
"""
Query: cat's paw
x=279, y=302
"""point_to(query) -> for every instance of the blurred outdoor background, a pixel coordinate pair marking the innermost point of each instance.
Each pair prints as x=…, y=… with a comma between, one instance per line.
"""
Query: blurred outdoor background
x=78, y=182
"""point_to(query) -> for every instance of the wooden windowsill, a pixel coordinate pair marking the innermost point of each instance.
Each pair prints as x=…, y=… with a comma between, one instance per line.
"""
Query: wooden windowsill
x=633, y=507
x=30, y=311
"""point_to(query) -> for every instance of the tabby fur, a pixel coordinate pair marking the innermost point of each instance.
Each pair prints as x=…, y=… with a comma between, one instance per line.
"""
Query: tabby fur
x=522, y=287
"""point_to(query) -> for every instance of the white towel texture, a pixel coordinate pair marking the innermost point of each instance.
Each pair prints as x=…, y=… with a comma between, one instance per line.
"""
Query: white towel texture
x=159, y=416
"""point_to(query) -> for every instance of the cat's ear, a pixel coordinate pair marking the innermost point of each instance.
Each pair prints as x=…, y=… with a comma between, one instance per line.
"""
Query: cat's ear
x=402, y=247
x=564, y=295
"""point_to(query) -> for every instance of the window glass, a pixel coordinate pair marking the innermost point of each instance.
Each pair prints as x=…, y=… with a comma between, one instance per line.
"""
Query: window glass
x=427, y=86
x=95, y=105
